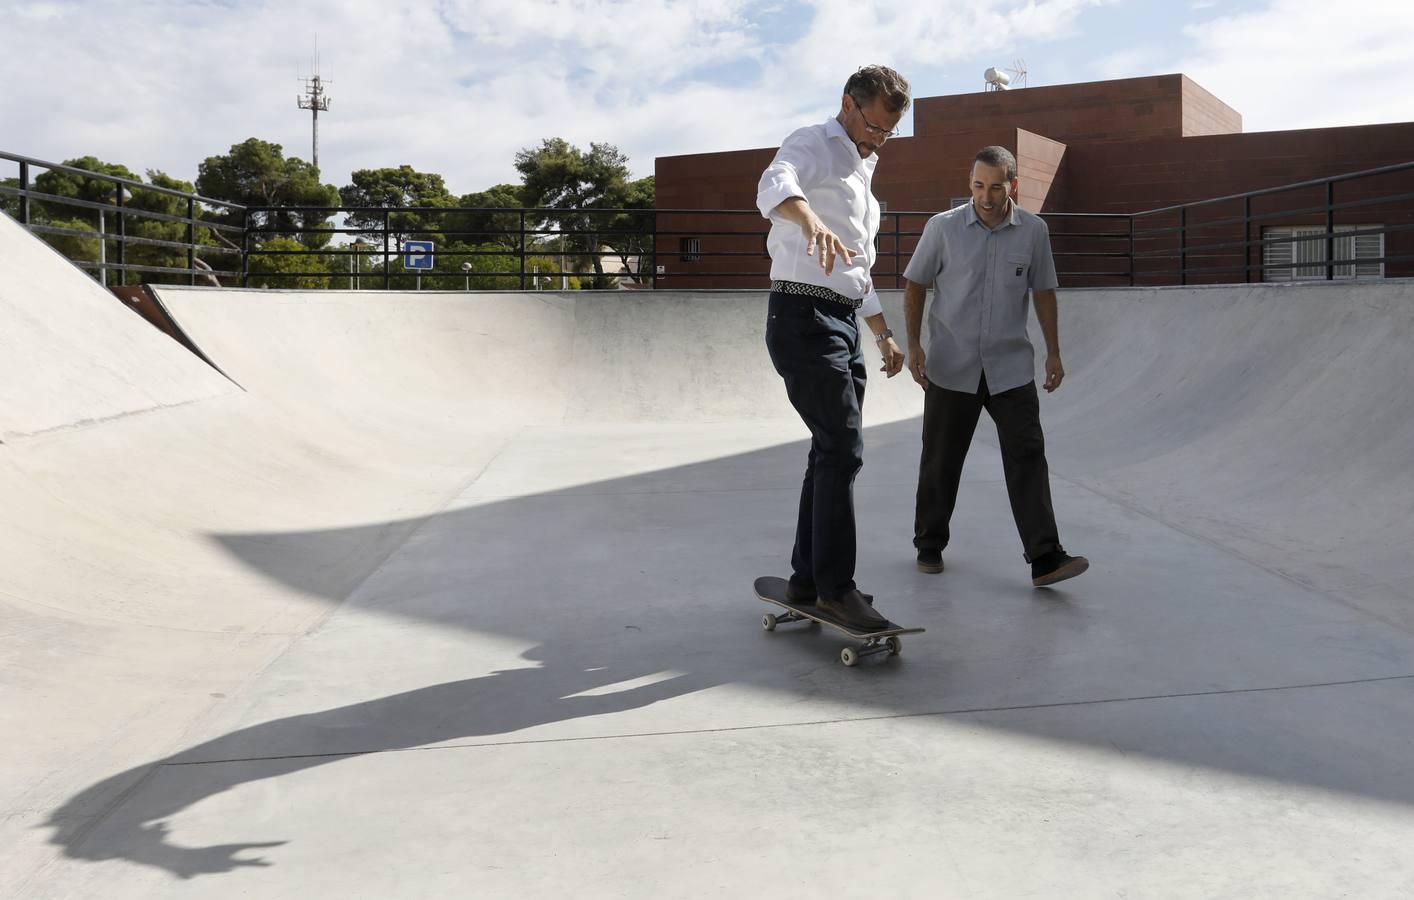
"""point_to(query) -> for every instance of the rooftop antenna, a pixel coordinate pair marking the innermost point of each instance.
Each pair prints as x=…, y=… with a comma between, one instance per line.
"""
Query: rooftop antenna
x=314, y=100
x=1006, y=79
x=1018, y=73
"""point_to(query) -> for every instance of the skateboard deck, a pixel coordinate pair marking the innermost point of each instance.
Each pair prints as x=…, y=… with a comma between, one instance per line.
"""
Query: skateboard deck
x=883, y=640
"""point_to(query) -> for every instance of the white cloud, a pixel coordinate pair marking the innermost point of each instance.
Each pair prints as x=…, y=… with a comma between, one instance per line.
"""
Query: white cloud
x=1307, y=63
x=458, y=86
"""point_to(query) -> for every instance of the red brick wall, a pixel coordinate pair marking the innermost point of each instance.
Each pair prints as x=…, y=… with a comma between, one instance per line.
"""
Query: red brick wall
x=1097, y=111
x=1078, y=152
x=1146, y=175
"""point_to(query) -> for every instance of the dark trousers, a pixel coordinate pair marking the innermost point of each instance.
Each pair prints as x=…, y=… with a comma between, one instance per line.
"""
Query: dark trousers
x=949, y=420
x=814, y=345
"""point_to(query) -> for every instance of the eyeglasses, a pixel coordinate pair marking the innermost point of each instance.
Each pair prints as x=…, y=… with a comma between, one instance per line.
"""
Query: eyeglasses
x=869, y=126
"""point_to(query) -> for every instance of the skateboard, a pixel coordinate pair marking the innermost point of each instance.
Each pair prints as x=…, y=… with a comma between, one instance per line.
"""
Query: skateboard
x=884, y=640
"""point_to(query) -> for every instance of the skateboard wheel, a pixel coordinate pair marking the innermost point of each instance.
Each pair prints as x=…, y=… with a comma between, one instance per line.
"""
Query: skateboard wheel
x=895, y=645
x=849, y=657
x=768, y=622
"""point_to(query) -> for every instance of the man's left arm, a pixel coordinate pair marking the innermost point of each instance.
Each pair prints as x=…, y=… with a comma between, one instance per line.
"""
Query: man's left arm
x=1043, y=296
x=1049, y=316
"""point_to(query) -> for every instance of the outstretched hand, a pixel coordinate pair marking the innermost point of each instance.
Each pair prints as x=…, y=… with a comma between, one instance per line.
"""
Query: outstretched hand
x=823, y=244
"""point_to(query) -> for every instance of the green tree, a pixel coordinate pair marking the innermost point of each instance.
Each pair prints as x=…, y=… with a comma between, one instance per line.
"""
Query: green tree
x=219, y=254
x=256, y=173
x=393, y=187
x=559, y=175
x=502, y=229
x=279, y=269
x=80, y=187
x=86, y=188
x=78, y=248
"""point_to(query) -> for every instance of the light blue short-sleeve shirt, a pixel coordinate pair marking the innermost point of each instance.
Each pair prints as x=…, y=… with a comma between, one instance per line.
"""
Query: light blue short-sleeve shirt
x=981, y=280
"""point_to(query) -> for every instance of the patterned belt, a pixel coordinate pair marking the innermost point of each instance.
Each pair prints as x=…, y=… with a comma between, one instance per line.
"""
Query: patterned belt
x=813, y=290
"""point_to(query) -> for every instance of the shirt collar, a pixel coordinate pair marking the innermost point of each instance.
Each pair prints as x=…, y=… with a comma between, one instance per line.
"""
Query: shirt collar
x=834, y=129
x=972, y=218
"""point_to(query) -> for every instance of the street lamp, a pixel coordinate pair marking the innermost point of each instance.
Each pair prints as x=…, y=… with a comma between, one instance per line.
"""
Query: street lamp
x=466, y=270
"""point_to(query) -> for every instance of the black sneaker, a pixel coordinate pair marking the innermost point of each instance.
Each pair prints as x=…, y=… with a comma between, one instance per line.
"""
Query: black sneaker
x=1056, y=566
x=854, y=611
x=930, y=561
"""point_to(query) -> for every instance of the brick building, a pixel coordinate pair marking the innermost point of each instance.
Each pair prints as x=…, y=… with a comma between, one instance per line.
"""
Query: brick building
x=1109, y=149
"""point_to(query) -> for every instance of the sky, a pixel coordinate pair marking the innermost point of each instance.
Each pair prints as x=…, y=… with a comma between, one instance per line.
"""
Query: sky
x=458, y=86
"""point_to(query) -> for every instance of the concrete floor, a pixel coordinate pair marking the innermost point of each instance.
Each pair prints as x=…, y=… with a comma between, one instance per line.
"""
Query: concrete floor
x=452, y=597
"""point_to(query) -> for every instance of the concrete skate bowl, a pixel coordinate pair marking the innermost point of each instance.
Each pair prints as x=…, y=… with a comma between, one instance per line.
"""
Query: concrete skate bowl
x=428, y=520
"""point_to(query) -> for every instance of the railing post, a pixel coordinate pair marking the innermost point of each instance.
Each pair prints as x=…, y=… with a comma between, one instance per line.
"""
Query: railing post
x=24, y=200
x=1330, y=230
x=191, y=240
x=122, y=235
x=387, y=259
x=1131, y=249
x=522, y=248
x=655, y=250
x=1247, y=239
x=102, y=250
x=1183, y=245
x=245, y=248
x=898, y=253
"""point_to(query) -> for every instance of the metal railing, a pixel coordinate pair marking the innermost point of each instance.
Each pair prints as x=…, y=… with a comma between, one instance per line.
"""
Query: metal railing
x=531, y=248
x=1323, y=213
x=117, y=221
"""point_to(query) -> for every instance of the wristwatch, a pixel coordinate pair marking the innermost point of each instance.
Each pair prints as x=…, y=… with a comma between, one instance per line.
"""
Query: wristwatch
x=884, y=335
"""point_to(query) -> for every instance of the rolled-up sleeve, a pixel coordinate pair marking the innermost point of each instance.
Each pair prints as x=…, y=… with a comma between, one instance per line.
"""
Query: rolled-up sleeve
x=795, y=166
x=871, y=305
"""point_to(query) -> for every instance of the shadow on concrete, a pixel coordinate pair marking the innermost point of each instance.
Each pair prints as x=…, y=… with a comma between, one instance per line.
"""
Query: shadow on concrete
x=649, y=575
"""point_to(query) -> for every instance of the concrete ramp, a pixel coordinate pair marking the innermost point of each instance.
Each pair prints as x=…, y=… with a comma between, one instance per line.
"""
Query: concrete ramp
x=454, y=599
x=509, y=359
x=70, y=354
x=1274, y=421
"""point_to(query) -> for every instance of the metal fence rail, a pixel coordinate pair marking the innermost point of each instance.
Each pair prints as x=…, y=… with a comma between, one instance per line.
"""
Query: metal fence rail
x=113, y=217
x=1209, y=240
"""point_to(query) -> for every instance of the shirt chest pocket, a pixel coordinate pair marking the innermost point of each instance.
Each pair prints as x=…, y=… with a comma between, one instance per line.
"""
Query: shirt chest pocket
x=1016, y=269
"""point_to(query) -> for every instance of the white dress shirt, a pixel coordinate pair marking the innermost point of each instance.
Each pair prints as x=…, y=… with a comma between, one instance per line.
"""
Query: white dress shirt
x=822, y=165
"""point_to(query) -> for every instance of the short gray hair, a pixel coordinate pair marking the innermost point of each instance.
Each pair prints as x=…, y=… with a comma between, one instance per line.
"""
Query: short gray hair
x=881, y=82
x=997, y=156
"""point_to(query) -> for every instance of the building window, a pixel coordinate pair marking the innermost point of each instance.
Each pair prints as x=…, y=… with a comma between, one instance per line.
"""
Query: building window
x=691, y=249
x=1304, y=260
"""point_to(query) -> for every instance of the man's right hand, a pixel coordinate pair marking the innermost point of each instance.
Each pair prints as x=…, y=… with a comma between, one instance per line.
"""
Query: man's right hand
x=822, y=243
x=918, y=364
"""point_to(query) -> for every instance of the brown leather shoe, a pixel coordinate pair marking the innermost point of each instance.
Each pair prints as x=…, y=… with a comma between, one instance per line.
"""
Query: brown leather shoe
x=853, y=610
x=800, y=594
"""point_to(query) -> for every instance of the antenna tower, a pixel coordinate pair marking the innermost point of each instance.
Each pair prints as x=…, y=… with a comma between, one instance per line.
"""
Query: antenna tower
x=314, y=100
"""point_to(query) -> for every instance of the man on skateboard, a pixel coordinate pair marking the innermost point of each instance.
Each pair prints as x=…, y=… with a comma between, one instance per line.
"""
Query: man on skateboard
x=981, y=259
x=817, y=194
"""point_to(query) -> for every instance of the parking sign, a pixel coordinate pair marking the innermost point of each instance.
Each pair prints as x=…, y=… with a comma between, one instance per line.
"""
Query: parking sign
x=417, y=255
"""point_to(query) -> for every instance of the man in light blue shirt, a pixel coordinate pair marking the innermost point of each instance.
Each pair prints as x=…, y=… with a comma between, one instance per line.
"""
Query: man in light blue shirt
x=983, y=260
